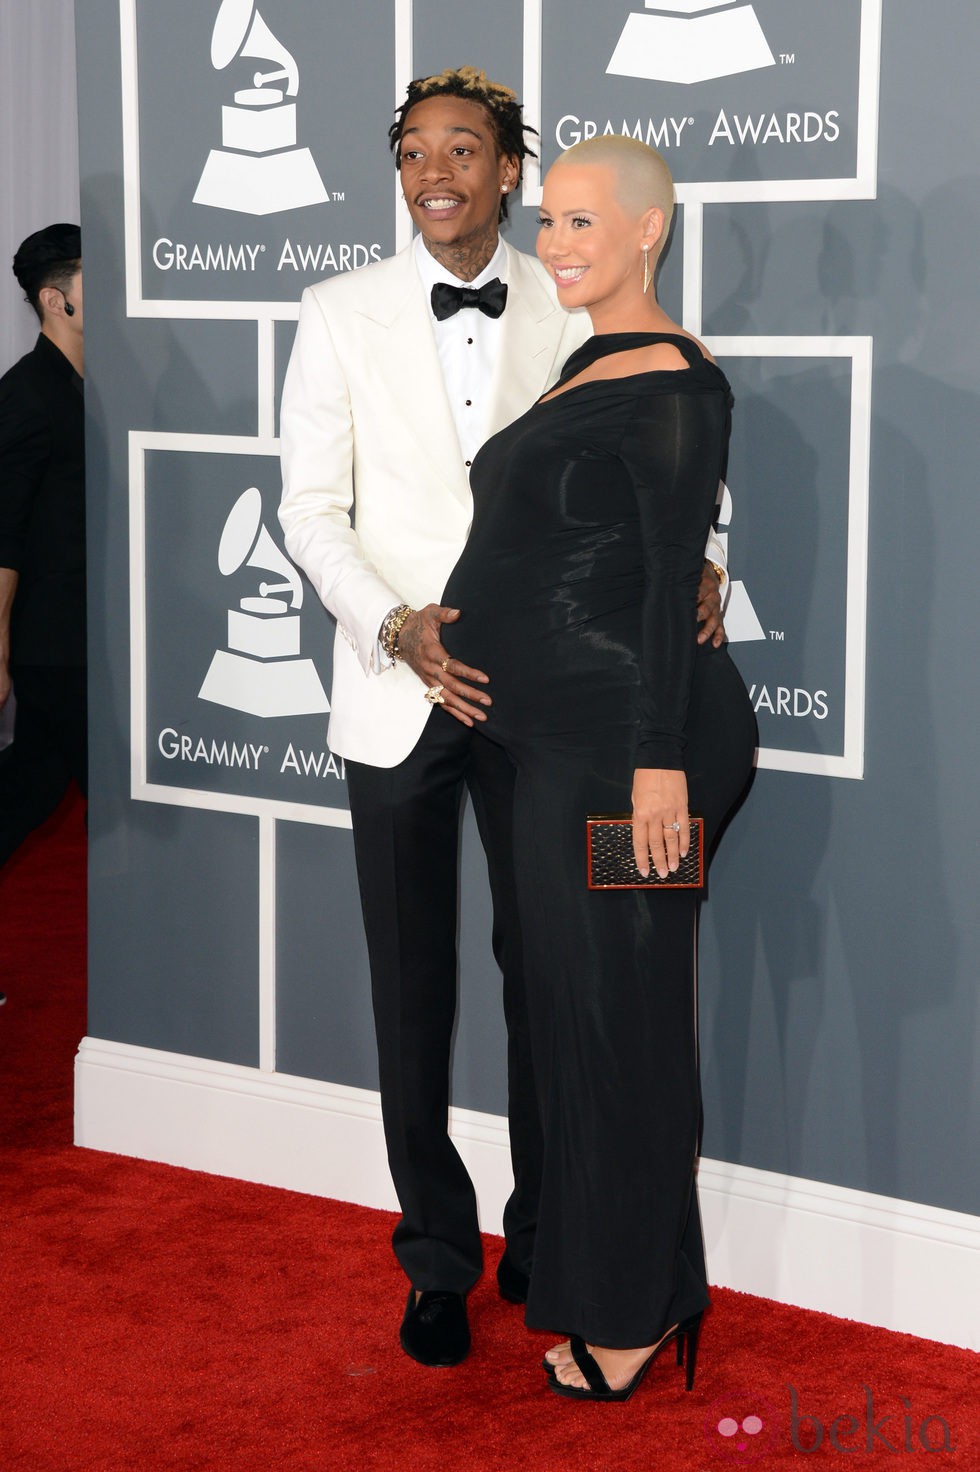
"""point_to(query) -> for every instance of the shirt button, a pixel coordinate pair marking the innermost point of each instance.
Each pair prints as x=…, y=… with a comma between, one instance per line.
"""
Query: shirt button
x=469, y=403
x=469, y=342
x=468, y=463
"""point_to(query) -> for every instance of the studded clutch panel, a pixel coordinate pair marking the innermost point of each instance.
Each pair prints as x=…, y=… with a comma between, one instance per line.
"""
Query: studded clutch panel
x=611, y=864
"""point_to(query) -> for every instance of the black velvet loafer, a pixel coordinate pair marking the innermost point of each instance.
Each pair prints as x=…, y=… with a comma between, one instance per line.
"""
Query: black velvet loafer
x=512, y=1283
x=435, y=1330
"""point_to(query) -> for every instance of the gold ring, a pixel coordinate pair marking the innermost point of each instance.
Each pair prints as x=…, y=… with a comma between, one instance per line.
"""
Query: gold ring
x=445, y=663
x=435, y=696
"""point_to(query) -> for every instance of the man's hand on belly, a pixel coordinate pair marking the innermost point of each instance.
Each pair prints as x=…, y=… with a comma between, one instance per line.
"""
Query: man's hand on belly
x=420, y=646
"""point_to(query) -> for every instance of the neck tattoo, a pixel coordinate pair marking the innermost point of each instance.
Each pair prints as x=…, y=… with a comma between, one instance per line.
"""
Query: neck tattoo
x=467, y=259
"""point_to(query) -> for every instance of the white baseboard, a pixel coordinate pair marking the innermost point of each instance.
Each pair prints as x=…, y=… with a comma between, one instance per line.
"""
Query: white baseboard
x=905, y=1267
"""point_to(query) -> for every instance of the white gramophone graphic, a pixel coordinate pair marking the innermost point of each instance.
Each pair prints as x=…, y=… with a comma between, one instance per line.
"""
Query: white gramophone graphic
x=261, y=671
x=689, y=47
x=259, y=170
x=741, y=621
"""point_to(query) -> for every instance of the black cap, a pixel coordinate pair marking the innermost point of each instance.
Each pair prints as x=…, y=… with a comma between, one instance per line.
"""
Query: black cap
x=45, y=254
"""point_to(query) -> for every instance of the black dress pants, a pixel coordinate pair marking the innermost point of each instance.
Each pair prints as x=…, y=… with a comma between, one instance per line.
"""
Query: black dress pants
x=50, y=747
x=406, y=841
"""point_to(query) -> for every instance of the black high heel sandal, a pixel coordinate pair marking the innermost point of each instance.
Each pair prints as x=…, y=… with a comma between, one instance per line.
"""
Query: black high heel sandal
x=686, y=1335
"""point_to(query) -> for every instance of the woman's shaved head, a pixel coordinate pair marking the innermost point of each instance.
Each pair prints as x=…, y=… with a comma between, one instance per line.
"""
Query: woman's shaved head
x=642, y=178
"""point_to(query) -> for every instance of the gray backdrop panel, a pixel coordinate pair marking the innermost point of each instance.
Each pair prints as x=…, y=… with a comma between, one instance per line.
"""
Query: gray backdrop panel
x=324, y=1027
x=170, y=901
x=838, y=978
x=191, y=108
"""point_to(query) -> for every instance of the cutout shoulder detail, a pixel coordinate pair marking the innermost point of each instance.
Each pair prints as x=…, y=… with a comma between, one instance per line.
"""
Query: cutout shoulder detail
x=663, y=356
x=659, y=357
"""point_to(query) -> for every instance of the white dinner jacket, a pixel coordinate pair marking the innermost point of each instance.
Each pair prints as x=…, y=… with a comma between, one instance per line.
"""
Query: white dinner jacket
x=376, y=503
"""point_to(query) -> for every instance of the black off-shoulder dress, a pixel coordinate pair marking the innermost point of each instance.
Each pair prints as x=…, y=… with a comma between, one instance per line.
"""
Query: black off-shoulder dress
x=578, y=594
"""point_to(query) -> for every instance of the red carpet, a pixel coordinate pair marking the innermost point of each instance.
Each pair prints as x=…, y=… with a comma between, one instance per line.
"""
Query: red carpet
x=157, y=1318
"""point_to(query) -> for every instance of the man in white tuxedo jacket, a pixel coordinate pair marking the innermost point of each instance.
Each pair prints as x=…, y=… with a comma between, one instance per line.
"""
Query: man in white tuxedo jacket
x=396, y=379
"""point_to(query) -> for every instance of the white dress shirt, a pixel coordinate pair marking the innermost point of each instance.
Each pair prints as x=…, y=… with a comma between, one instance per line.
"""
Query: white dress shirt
x=469, y=346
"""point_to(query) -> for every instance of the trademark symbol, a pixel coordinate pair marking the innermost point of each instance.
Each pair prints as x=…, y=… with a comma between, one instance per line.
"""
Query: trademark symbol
x=261, y=247
x=787, y=58
x=266, y=750
x=338, y=196
x=691, y=122
x=778, y=634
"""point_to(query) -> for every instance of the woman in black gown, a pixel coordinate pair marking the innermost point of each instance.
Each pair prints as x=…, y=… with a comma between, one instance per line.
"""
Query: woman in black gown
x=578, y=594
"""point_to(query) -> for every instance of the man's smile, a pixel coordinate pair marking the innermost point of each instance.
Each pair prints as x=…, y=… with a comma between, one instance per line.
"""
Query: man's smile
x=439, y=204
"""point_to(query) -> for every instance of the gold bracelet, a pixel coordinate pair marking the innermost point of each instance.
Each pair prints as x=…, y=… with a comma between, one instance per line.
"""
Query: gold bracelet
x=391, y=628
x=720, y=572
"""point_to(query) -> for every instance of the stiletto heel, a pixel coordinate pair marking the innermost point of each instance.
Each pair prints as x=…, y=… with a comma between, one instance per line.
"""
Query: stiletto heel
x=686, y=1335
x=687, y=1339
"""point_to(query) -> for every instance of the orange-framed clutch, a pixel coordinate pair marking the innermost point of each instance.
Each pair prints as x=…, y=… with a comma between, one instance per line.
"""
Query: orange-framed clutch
x=611, y=864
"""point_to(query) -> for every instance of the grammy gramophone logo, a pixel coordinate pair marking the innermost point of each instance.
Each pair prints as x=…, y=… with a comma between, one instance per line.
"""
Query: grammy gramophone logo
x=674, y=42
x=261, y=672
x=259, y=169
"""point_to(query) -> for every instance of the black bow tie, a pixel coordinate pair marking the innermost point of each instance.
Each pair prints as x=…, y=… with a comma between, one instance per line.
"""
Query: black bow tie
x=489, y=299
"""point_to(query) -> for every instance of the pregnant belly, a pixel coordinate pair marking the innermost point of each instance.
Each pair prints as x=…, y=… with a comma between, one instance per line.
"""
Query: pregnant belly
x=555, y=667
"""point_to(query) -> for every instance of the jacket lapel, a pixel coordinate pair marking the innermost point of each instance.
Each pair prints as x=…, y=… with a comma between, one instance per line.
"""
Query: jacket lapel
x=406, y=360
x=533, y=326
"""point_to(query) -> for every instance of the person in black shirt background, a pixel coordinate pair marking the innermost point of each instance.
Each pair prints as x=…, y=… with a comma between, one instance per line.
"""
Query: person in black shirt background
x=42, y=543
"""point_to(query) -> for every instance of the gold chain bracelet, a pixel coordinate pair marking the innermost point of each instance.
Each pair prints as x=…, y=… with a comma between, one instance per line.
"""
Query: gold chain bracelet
x=392, y=627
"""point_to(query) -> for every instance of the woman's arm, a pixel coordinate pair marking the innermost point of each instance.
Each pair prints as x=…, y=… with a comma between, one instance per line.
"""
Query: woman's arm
x=673, y=450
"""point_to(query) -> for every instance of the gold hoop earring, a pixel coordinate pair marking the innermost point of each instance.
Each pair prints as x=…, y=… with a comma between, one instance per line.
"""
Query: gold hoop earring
x=646, y=269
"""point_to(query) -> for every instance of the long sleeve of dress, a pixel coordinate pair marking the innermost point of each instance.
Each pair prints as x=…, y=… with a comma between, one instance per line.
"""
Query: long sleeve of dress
x=672, y=450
